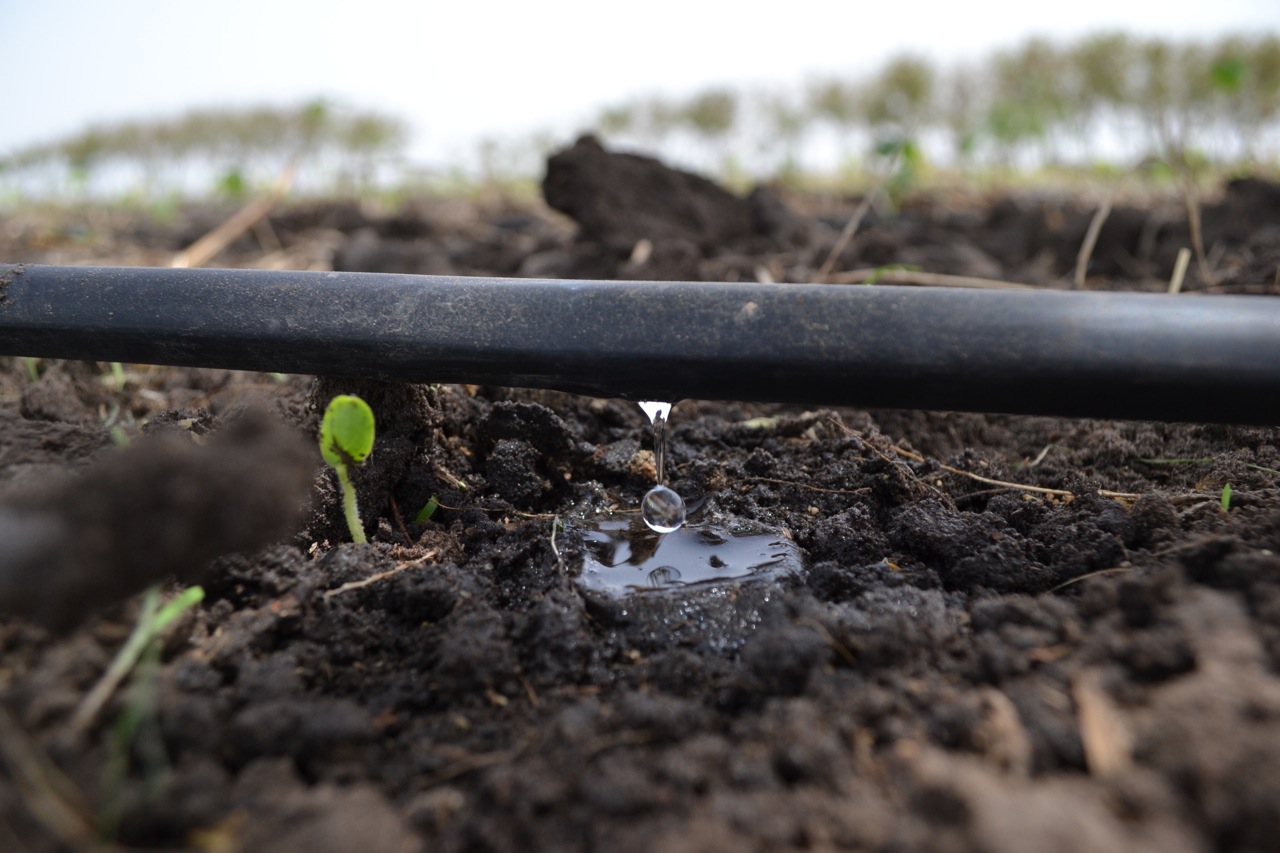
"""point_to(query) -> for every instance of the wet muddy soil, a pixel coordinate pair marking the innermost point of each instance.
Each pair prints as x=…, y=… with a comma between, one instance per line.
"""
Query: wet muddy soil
x=999, y=633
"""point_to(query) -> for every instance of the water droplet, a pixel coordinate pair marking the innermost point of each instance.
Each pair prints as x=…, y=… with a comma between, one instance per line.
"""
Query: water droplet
x=662, y=509
x=656, y=410
x=664, y=576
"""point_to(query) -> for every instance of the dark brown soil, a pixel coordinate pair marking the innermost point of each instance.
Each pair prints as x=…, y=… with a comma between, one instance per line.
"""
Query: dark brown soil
x=1087, y=663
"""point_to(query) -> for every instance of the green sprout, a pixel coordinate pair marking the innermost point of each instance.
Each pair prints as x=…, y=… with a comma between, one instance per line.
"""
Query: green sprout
x=1225, y=500
x=346, y=439
x=428, y=510
x=136, y=737
x=153, y=620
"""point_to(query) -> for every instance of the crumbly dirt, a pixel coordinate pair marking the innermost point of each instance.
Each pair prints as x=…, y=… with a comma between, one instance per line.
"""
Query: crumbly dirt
x=1084, y=661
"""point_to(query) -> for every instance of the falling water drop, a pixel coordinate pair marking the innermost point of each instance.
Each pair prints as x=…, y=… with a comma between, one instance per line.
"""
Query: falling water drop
x=658, y=414
x=662, y=509
x=656, y=410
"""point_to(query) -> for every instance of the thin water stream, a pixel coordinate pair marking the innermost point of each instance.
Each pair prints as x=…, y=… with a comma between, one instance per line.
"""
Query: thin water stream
x=662, y=508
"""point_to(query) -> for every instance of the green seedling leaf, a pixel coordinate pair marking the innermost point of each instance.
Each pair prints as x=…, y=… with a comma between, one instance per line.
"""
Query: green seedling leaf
x=346, y=433
x=428, y=510
x=175, y=607
x=1225, y=501
x=346, y=439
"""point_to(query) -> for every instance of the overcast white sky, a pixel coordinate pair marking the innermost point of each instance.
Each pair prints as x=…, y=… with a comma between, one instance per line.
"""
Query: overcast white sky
x=459, y=70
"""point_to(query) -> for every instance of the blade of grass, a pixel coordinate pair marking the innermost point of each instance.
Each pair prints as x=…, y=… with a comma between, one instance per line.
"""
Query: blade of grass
x=152, y=622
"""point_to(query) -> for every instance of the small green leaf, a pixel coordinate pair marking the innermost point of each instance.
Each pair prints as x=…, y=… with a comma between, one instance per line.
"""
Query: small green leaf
x=175, y=607
x=346, y=433
x=428, y=510
x=1225, y=503
x=346, y=438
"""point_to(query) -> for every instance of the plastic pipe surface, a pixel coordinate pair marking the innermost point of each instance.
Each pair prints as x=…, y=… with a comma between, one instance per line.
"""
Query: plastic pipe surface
x=1111, y=355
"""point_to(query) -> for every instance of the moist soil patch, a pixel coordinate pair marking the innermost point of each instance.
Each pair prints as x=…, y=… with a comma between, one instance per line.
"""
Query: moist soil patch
x=1007, y=633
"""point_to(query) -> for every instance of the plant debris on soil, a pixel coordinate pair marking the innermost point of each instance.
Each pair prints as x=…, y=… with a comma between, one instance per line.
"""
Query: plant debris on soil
x=1007, y=634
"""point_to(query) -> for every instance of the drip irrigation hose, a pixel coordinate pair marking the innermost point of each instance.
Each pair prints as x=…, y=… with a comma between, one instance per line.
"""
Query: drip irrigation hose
x=1111, y=355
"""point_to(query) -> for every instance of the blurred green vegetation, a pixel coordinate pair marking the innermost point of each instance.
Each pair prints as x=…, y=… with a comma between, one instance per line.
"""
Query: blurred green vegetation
x=1097, y=106
x=236, y=147
x=1104, y=100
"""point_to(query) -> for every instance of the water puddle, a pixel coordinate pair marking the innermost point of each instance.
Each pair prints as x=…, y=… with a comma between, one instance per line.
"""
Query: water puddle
x=658, y=551
x=624, y=556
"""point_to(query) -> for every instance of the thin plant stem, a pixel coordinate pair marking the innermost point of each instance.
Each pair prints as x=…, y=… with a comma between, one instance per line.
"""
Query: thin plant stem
x=350, y=509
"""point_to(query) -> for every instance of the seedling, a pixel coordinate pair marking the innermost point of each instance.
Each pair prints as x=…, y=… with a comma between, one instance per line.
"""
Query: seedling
x=1225, y=500
x=152, y=622
x=346, y=439
x=136, y=733
x=428, y=510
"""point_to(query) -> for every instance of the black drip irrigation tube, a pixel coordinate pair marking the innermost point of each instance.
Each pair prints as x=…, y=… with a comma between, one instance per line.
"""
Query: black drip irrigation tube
x=1110, y=355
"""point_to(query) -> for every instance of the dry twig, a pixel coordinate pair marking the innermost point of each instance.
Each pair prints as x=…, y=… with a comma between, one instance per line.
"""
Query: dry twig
x=1179, y=270
x=1192, y=201
x=50, y=797
x=207, y=247
x=1116, y=570
x=923, y=279
x=1108, y=750
x=372, y=579
x=1090, y=241
x=775, y=481
x=851, y=227
x=916, y=457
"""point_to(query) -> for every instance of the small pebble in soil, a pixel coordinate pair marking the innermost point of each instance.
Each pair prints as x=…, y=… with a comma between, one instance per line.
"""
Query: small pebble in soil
x=662, y=509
